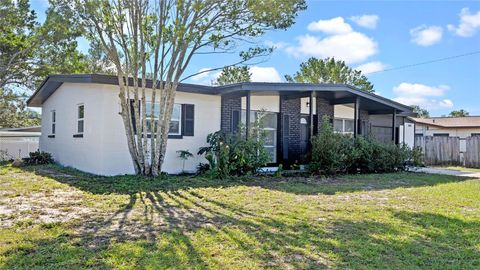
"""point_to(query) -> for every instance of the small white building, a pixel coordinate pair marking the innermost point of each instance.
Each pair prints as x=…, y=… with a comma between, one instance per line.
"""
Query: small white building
x=82, y=127
x=18, y=142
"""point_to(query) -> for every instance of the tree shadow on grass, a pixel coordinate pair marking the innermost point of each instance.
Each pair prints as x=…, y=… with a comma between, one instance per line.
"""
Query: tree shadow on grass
x=182, y=229
x=130, y=184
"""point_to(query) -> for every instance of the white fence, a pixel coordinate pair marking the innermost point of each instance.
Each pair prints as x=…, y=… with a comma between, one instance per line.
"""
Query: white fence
x=15, y=145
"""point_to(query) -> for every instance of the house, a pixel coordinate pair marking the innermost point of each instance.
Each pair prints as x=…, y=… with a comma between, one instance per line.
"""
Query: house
x=82, y=127
x=18, y=142
x=448, y=126
x=461, y=127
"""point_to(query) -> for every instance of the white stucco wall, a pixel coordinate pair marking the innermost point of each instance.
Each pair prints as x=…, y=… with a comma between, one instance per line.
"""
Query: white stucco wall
x=267, y=103
x=343, y=111
x=103, y=149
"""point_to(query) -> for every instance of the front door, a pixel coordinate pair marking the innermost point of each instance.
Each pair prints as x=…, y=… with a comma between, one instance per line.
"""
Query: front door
x=304, y=134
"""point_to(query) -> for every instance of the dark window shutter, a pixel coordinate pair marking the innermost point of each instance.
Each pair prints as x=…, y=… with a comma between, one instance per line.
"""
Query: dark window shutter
x=286, y=135
x=235, y=120
x=188, y=119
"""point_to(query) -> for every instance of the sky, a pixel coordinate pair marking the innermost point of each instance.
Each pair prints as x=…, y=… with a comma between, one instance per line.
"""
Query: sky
x=379, y=38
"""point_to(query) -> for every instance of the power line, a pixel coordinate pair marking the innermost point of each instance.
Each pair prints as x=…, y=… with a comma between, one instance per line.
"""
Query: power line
x=426, y=62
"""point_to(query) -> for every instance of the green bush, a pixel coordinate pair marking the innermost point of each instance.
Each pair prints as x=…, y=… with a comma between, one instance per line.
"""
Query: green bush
x=334, y=153
x=38, y=158
x=234, y=154
x=330, y=151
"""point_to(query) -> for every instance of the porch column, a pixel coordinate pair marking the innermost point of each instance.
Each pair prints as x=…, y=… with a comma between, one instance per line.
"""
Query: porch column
x=355, y=117
x=394, y=124
x=310, y=111
x=247, y=118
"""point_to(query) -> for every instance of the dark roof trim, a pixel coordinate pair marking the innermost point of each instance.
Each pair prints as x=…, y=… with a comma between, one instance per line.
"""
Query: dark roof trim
x=53, y=82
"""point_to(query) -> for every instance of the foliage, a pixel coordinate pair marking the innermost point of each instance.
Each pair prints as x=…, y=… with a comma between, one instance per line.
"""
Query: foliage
x=230, y=75
x=234, y=154
x=184, y=155
x=334, y=153
x=13, y=111
x=38, y=158
x=459, y=113
x=29, y=51
x=329, y=70
x=417, y=157
x=159, y=43
x=5, y=156
x=330, y=150
x=421, y=113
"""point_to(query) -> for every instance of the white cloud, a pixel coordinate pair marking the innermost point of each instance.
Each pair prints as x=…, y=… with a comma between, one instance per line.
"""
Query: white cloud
x=264, y=74
x=201, y=76
x=371, y=67
x=367, y=21
x=276, y=45
x=469, y=23
x=341, y=42
x=352, y=47
x=333, y=26
x=426, y=35
x=428, y=97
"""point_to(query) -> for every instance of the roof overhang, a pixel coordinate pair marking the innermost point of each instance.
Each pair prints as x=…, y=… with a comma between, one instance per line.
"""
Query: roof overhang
x=334, y=93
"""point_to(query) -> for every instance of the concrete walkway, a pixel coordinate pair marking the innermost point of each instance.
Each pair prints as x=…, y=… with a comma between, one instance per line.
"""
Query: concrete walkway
x=446, y=171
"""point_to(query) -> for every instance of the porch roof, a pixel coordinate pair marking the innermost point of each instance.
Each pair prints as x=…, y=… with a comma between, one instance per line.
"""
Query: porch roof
x=334, y=93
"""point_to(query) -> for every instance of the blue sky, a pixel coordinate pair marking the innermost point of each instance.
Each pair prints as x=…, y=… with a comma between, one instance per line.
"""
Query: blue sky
x=374, y=36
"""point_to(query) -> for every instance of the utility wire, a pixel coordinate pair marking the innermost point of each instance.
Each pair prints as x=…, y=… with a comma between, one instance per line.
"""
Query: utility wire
x=426, y=62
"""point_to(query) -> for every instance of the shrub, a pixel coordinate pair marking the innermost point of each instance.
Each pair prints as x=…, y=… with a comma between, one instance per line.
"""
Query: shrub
x=330, y=151
x=234, y=154
x=334, y=153
x=38, y=158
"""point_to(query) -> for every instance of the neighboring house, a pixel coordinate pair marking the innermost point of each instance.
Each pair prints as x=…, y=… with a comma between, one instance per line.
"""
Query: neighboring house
x=448, y=126
x=82, y=127
x=18, y=142
x=461, y=127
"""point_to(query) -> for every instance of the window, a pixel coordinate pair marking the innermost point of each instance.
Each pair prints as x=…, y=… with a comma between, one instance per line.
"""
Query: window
x=441, y=135
x=175, y=122
x=54, y=120
x=344, y=126
x=269, y=123
x=80, y=118
x=475, y=134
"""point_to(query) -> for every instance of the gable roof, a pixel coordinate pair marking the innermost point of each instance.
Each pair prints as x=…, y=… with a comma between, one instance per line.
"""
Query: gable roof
x=330, y=91
x=450, y=122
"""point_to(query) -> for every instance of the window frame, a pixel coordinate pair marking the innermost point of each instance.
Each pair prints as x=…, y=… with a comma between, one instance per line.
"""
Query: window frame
x=53, y=127
x=344, y=125
x=148, y=105
x=82, y=119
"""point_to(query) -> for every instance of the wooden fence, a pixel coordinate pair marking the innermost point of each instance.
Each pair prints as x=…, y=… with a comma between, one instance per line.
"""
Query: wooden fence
x=442, y=150
x=472, y=153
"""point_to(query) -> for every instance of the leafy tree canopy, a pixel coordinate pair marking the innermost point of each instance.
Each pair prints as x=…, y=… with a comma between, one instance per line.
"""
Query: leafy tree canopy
x=230, y=75
x=329, y=70
x=459, y=113
x=421, y=113
x=29, y=51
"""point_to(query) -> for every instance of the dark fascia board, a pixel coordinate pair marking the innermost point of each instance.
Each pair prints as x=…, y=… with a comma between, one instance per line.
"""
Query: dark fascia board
x=52, y=82
x=283, y=87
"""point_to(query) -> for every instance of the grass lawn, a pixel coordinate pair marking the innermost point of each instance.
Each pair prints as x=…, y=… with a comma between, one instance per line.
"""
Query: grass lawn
x=57, y=218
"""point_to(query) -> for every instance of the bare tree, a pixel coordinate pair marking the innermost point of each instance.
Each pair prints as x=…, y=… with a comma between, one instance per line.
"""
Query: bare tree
x=152, y=43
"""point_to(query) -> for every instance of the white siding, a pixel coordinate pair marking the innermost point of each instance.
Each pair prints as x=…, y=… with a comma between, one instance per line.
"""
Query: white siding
x=103, y=149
